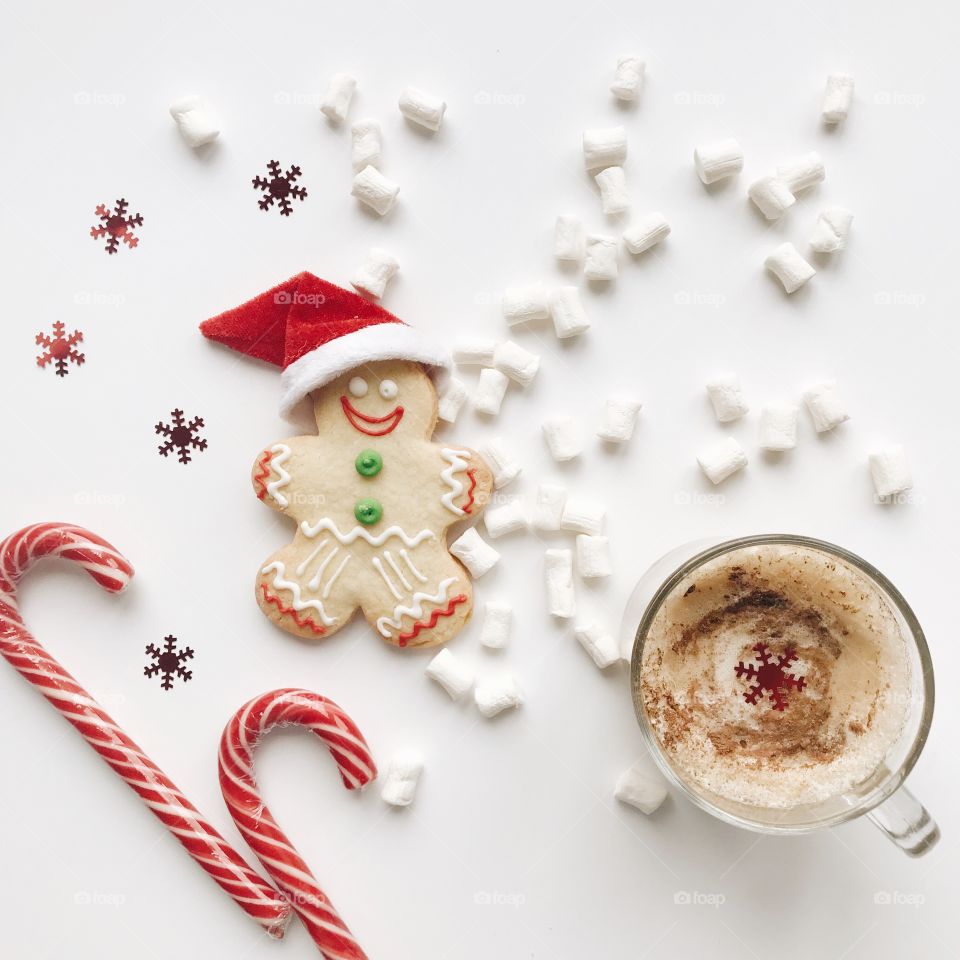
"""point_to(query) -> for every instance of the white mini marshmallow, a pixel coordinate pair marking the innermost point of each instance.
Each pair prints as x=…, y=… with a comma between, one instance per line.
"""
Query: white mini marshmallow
x=802, y=172
x=451, y=400
x=772, y=197
x=564, y=437
x=526, y=303
x=583, y=516
x=518, y=364
x=501, y=462
x=491, y=388
x=628, y=80
x=194, y=121
x=786, y=264
x=601, y=262
x=569, y=316
x=614, y=196
x=336, y=101
x=506, y=518
x=605, y=148
x=641, y=788
x=403, y=775
x=890, y=470
x=548, y=510
x=450, y=673
x=474, y=553
x=722, y=460
x=837, y=97
x=378, y=192
x=826, y=406
x=778, y=426
x=497, y=620
x=495, y=696
x=568, y=240
x=474, y=350
x=422, y=108
x=373, y=275
x=726, y=395
x=619, y=418
x=647, y=232
x=558, y=566
x=593, y=557
x=718, y=160
x=599, y=643
x=832, y=230
x=366, y=144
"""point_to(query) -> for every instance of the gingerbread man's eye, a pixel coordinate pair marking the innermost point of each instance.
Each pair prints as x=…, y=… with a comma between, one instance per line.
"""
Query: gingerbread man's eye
x=388, y=389
x=358, y=387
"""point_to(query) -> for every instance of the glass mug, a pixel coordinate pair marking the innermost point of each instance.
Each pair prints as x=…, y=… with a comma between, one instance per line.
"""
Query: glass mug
x=881, y=796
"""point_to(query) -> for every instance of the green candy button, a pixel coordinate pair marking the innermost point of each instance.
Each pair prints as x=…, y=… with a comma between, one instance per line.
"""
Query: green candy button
x=368, y=463
x=368, y=511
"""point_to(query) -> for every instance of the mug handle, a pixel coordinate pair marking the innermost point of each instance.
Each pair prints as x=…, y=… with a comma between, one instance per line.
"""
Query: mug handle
x=904, y=819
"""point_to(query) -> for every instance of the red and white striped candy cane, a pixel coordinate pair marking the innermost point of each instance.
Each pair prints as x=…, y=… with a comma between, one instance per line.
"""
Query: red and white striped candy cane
x=112, y=571
x=283, y=864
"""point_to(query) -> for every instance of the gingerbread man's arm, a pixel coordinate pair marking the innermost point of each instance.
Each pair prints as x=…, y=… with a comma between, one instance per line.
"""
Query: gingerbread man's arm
x=274, y=479
x=466, y=481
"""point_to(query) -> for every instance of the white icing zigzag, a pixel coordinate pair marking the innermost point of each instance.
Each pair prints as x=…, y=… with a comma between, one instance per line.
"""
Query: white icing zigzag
x=311, y=530
x=415, y=609
x=457, y=465
x=281, y=454
x=280, y=583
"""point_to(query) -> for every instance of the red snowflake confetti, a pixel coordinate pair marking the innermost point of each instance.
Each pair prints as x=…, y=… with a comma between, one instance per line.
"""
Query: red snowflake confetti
x=116, y=226
x=279, y=188
x=59, y=348
x=770, y=676
x=168, y=662
x=180, y=436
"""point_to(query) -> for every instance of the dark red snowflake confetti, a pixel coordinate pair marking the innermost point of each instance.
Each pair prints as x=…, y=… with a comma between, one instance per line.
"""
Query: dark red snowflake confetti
x=59, y=348
x=279, y=188
x=168, y=662
x=180, y=436
x=770, y=675
x=116, y=226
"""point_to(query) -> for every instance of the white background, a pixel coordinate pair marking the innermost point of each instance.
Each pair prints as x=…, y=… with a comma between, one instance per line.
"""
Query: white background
x=515, y=847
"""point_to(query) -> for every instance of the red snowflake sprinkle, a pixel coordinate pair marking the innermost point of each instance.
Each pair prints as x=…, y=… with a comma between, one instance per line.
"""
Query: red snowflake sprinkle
x=180, y=436
x=770, y=676
x=116, y=226
x=279, y=188
x=59, y=348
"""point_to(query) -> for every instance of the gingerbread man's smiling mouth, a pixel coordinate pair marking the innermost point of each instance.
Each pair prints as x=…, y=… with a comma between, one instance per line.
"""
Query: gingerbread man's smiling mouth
x=371, y=426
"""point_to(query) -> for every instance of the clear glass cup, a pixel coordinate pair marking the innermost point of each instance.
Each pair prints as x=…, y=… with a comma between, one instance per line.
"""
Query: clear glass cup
x=881, y=796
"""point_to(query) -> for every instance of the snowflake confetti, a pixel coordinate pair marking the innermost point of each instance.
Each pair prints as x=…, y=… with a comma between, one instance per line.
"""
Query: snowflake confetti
x=770, y=675
x=116, y=226
x=168, y=662
x=181, y=436
x=60, y=348
x=279, y=187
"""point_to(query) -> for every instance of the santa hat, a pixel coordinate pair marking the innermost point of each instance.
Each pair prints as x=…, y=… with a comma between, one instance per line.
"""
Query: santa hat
x=316, y=331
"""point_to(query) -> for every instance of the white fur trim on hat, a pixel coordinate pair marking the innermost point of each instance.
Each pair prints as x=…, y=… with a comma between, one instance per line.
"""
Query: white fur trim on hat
x=382, y=341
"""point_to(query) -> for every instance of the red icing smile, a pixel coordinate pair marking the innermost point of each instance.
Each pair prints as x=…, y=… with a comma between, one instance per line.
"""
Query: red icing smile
x=371, y=426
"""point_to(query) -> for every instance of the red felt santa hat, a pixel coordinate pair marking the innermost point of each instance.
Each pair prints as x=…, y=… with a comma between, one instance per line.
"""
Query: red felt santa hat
x=316, y=331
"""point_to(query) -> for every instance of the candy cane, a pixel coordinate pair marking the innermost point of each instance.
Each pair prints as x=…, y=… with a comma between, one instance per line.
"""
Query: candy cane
x=112, y=571
x=283, y=864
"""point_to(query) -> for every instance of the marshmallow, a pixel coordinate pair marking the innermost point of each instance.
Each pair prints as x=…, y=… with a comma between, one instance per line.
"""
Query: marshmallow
x=786, y=264
x=832, y=229
x=373, y=275
x=518, y=364
x=503, y=466
x=583, y=516
x=497, y=618
x=890, y=471
x=598, y=643
x=403, y=774
x=522, y=304
x=569, y=317
x=474, y=553
x=601, y=262
x=378, y=192
x=772, y=197
x=568, y=238
x=336, y=101
x=593, y=557
x=726, y=395
x=605, y=148
x=802, y=172
x=837, y=97
x=474, y=350
x=722, y=459
x=641, y=788
x=452, y=399
x=422, y=109
x=366, y=144
x=194, y=122
x=561, y=601
x=628, y=80
x=826, y=407
x=491, y=387
x=619, y=417
x=505, y=519
x=648, y=231
x=495, y=696
x=563, y=436
x=548, y=509
x=778, y=426
x=718, y=160
x=614, y=196
x=450, y=673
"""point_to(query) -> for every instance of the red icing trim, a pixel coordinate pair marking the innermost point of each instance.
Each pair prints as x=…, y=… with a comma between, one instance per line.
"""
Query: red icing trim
x=357, y=419
x=472, y=474
x=259, y=479
x=290, y=612
x=412, y=633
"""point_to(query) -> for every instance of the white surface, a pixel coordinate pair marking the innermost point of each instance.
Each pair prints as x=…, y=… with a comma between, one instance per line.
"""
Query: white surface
x=515, y=847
